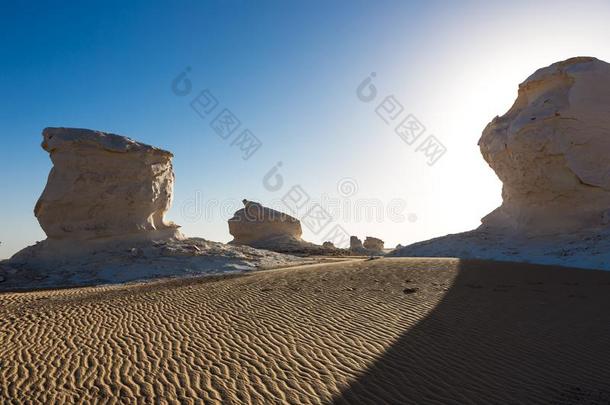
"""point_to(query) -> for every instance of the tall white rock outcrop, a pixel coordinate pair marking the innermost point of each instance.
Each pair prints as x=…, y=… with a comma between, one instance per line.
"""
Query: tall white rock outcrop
x=374, y=244
x=103, y=185
x=551, y=151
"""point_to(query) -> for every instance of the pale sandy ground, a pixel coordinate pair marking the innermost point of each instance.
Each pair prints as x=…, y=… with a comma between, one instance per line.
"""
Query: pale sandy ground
x=350, y=333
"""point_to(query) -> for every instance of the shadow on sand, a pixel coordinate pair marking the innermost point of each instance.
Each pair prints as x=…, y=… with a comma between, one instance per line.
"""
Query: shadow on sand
x=503, y=334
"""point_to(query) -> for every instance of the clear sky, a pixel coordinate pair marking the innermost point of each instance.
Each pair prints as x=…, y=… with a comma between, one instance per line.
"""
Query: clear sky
x=289, y=72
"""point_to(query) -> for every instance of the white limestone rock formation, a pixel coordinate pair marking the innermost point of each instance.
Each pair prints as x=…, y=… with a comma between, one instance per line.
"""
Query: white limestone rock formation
x=371, y=247
x=103, y=185
x=265, y=228
x=254, y=224
x=374, y=244
x=355, y=244
x=103, y=212
x=551, y=151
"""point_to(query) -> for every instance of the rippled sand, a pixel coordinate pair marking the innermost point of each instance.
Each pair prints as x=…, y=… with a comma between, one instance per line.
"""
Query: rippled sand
x=380, y=331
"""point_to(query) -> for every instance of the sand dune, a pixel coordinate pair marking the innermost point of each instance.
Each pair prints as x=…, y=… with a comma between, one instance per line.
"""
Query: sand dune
x=368, y=331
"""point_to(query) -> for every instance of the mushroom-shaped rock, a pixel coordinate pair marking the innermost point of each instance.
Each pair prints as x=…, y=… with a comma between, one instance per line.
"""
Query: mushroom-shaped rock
x=255, y=223
x=265, y=228
x=103, y=185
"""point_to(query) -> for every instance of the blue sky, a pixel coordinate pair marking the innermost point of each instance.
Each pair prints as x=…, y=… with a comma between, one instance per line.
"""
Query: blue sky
x=289, y=72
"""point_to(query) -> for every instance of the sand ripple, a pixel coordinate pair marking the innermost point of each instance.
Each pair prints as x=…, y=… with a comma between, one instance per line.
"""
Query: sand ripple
x=343, y=332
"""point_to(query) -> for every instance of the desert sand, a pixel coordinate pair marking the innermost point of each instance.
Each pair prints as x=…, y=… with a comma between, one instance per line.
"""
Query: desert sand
x=392, y=330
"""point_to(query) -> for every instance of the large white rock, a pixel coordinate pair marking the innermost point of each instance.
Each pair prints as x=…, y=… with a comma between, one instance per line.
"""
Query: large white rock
x=264, y=228
x=103, y=212
x=256, y=223
x=551, y=151
x=355, y=244
x=371, y=247
x=374, y=244
x=103, y=185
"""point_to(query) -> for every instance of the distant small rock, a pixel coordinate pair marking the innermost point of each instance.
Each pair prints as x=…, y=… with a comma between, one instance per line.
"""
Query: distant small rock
x=136, y=252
